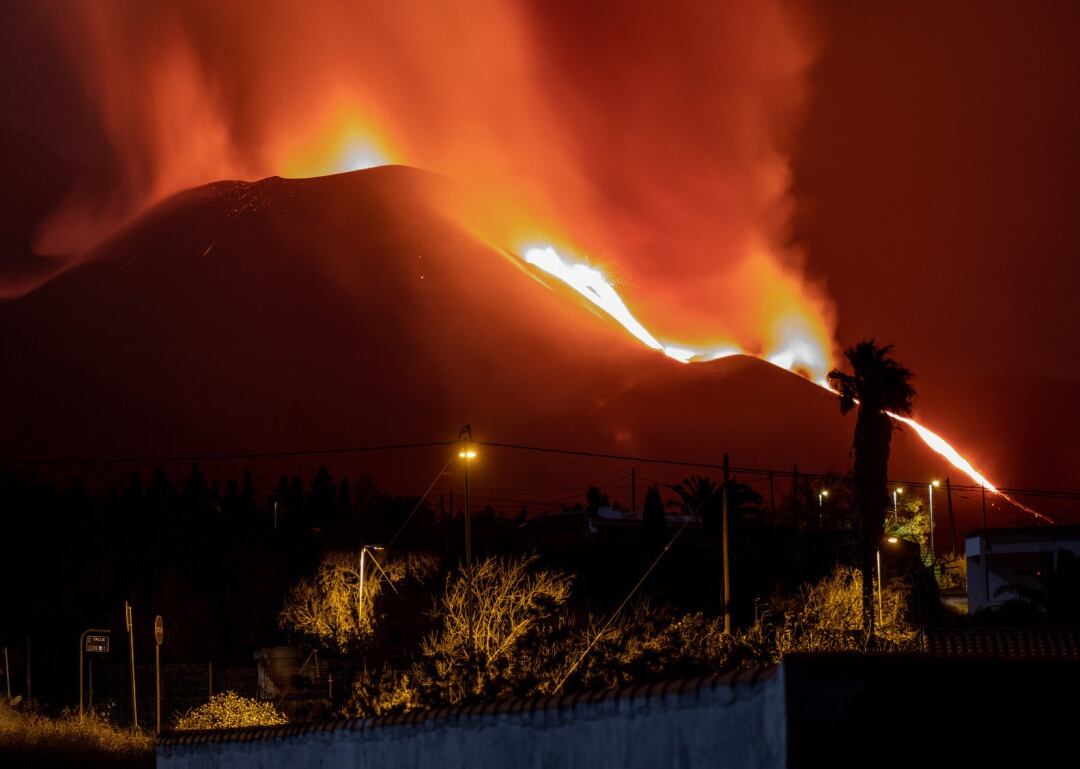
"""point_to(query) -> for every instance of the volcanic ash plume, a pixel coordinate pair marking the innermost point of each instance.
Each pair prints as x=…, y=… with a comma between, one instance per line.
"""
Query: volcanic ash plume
x=648, y=140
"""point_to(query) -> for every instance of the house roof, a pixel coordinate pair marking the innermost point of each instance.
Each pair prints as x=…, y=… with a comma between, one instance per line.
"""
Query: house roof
x=1014, y=642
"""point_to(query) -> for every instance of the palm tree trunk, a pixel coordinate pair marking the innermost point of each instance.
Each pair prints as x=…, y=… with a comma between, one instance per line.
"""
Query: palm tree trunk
x=873, y=434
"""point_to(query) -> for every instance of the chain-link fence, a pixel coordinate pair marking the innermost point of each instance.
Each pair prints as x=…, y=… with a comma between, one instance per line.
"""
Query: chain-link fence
x=313, y=693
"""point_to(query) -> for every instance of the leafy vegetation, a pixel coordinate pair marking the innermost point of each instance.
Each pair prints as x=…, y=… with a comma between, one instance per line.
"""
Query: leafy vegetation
x=525, y=640
x=227, y=710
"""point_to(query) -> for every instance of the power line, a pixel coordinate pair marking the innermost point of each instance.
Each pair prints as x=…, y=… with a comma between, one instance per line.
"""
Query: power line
x=419, y=502
x=751, y=471
x=168, y=459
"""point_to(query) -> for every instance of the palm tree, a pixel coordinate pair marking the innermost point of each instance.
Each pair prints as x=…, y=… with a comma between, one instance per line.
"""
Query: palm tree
x=877, y=385
x=701, y=496
x=695, y=492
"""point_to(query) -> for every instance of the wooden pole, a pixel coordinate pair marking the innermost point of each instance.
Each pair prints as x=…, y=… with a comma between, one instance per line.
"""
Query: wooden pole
x=726, y=544
x=131, y=650
x=952, y=520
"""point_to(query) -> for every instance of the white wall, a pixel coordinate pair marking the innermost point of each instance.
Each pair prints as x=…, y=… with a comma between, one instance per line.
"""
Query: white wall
x=713, y=722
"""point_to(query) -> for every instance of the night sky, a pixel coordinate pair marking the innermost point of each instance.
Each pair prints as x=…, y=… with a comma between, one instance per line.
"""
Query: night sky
x=895, y=170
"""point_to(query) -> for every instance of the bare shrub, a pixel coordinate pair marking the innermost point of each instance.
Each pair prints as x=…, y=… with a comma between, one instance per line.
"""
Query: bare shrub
x=228, y=710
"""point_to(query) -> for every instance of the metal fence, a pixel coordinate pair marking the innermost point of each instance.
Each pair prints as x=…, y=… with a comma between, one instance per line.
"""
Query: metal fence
x=314, y=695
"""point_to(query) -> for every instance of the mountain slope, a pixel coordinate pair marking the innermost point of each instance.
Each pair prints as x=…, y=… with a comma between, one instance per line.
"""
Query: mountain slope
x=344, y=311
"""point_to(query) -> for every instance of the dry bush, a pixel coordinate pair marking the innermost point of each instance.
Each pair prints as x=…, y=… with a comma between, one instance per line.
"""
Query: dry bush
x=652, y=642
x=228, y=710
x=518, y=620
x=382, y=693
x=828, y=617
x=327, y=609
x=31, y=739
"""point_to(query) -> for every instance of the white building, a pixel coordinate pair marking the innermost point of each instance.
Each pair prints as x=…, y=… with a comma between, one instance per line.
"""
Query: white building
x=1000, y=557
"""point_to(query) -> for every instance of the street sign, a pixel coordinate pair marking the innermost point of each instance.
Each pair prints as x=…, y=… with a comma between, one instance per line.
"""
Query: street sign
x=159, y=630
x=97, y=644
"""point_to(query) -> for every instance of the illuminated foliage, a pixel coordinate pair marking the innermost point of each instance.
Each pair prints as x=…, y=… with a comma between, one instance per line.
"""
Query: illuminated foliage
x=828, y=616
x=327, y=609
x=228, y=710
x=29, y=738
x=516, y=619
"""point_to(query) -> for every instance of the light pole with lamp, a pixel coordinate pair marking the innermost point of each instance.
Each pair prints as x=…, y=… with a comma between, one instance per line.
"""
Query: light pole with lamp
x=931, y=486
x=467, y=454
x=821, y=506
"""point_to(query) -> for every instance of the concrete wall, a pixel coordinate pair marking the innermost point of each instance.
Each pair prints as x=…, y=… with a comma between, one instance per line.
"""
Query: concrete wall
x=716, y=721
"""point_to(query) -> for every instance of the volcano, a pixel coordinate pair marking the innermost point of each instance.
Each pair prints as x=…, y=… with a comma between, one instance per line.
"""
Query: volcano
x=338, y=311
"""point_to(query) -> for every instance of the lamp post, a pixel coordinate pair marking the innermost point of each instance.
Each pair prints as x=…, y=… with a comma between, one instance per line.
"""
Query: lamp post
x=467, y=454
x=895, y=506
x=931, y=487
x=821, y=506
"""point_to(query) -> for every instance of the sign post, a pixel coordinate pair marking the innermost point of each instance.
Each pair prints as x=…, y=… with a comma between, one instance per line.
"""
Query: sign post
x=159, y=636
x=92, y=641
x=131, y=648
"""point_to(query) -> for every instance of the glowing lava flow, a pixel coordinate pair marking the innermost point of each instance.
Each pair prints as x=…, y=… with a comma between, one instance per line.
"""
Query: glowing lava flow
x=797, y=353
x=592, y=285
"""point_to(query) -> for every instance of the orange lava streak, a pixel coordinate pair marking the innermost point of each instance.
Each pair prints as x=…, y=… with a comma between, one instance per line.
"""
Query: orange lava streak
x=800, y=353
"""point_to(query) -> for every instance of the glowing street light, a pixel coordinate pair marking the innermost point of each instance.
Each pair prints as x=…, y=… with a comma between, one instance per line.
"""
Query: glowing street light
x=467, y=454
x=821, y=504
x=895, y=506
x=931, y=487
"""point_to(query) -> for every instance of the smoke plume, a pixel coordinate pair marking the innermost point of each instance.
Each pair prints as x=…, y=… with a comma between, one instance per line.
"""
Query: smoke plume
x=650, y=139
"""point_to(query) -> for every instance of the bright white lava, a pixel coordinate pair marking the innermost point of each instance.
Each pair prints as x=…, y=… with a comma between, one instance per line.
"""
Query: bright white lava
x=796, y=353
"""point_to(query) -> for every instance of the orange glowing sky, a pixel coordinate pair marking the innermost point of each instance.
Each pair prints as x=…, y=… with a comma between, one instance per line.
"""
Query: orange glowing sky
x=674, y=183
x=716, y=162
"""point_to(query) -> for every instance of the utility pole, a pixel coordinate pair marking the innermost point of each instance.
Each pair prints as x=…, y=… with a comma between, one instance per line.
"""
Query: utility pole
x=131, y=648
x=360, y=602
x=952, y=520
x=985, y=548
x=726, y=544
x=159, y=636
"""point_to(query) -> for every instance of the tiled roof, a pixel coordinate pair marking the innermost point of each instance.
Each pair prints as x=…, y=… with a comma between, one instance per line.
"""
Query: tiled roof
x=558, y=702
x=1016, y=642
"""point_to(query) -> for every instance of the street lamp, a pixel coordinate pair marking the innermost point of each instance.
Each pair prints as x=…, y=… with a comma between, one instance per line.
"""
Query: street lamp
x=363, y=570
x=467, y=454
x=895, y=506
x=821, y=504
x=931, y=487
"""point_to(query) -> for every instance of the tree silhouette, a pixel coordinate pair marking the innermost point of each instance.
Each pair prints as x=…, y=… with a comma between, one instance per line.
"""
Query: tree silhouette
x=695, y=494
x=653, y=522
x=595, y=499
x=877, y=384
